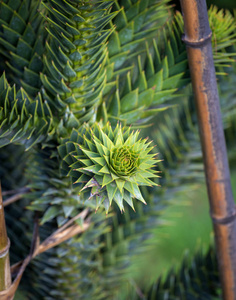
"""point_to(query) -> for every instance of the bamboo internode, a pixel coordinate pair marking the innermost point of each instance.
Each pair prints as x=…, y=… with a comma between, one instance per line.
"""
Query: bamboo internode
x=198, y=42
x=5, y=273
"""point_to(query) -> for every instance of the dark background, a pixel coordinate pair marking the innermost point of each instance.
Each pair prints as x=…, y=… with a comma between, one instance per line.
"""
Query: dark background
x=227, y=4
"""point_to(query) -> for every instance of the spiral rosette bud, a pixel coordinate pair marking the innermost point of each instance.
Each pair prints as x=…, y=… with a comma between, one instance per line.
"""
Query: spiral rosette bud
x=109, y=165
x=124, y=161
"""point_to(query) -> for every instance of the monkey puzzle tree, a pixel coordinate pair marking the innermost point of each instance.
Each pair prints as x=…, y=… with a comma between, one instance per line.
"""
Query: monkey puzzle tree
x=79, y=79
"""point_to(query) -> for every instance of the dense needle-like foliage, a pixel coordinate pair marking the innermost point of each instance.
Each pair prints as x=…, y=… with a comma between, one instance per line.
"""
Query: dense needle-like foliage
x=79, y=79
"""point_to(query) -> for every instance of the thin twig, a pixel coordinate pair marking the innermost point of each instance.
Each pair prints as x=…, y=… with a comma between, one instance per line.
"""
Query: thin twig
x=81, y=215
x=64, y=233
x=17, y=191
x=59, y=237
x=12, y=199
x=55, y=238
x=16, y=197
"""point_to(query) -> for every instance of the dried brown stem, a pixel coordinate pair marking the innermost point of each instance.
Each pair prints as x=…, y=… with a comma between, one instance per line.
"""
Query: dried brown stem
x=198, y=41
x=61, y=236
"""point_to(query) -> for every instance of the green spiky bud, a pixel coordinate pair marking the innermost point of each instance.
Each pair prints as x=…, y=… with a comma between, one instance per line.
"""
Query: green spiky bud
x=124, y=161
x=109, y=165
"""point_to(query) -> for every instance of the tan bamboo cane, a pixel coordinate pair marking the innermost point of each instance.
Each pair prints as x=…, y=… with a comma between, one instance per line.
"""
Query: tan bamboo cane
x=5, y=272
x=198, y=42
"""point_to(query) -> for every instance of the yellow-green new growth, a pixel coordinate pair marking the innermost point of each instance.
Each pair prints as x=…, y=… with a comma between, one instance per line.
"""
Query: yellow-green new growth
x=109, y=165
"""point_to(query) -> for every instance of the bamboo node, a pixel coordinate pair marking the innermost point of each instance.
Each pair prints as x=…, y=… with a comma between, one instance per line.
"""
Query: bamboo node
x=224, y=220
x=5, y=250
x=197, y=43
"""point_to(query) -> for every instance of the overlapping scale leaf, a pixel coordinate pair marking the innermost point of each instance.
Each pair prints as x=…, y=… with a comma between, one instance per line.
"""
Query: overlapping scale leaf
x=109, y=165
x=51, y=193
x=22, y=43
x=159, y=74
x=146, y=90
x=75, y=56
x=77, y=269
x=21, y=118
x=136, y=22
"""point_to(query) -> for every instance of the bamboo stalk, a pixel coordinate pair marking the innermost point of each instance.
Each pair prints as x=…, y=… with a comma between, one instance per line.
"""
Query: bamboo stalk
x=198, y=42
x=5, y=272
